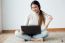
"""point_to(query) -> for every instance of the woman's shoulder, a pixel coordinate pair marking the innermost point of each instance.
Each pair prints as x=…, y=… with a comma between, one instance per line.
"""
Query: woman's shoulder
x=29, y=15
x=46, y=14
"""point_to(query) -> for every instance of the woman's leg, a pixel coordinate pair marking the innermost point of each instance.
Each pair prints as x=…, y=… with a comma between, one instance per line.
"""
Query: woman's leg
x=23, y=36
x=43, y=34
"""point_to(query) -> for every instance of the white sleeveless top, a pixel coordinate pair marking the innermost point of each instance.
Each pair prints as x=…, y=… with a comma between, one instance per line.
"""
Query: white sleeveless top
x=33, y=18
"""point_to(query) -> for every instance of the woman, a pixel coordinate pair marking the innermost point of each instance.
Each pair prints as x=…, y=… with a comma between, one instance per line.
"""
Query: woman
x=37, y=17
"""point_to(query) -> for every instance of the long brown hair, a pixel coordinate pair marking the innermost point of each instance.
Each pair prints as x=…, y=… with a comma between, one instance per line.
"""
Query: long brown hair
x=41, y=17
x=41, y=14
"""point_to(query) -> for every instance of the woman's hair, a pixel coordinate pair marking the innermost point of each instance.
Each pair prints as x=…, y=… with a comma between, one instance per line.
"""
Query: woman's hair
x=41, y=14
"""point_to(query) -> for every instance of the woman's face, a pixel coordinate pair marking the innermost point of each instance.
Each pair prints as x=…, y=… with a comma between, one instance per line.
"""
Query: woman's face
x=35, y=8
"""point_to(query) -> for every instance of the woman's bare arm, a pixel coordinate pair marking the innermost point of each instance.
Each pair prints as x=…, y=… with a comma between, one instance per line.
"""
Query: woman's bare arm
x=49, y=19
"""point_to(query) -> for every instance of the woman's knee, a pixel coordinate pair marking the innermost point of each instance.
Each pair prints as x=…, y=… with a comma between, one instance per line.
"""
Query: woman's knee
x=21, y=35
x=17, y=33
x=44, y=32
x=45, y=36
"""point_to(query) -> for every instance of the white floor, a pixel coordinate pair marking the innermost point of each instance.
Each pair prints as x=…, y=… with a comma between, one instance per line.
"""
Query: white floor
x=54, y=37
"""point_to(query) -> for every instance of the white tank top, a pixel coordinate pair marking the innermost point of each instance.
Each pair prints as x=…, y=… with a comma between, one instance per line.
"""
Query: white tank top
x=33, y=20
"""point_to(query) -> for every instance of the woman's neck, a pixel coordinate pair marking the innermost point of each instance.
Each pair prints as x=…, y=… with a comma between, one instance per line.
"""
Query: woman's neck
x=38, y=12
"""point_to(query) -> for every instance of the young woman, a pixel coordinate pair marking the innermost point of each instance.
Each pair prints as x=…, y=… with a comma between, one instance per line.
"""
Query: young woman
x=37, y=17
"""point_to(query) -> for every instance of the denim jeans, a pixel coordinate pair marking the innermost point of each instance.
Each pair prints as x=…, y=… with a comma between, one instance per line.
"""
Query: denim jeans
x=43, y=34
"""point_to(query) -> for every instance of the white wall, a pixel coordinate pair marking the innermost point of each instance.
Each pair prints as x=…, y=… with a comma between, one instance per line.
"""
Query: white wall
x=56, y=8
x=14, y=12
x=0, y=14
x=0, y=18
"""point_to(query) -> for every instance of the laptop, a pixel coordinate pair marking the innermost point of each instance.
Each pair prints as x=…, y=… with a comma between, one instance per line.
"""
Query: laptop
x=32, y=29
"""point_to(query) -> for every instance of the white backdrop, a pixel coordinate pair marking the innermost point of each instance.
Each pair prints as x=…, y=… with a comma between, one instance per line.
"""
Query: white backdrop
x=0, y=17
x=14, y=12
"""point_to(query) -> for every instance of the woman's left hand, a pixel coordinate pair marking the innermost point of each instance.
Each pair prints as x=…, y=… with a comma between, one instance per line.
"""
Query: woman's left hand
x=50, y=18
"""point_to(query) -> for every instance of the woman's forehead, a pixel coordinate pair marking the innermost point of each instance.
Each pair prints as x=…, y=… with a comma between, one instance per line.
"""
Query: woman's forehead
x=34, y=5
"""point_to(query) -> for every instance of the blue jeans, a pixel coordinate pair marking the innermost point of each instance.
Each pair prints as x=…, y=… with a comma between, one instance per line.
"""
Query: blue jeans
x=43, y=34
